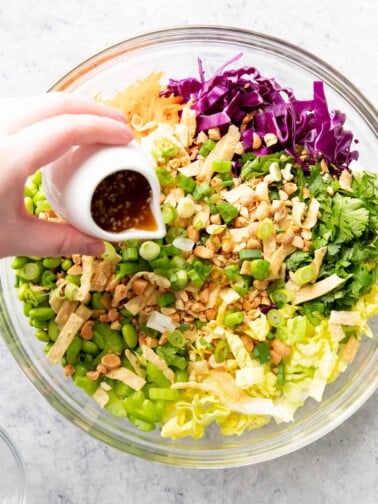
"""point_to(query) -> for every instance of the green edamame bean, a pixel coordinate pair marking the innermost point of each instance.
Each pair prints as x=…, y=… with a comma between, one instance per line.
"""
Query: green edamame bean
x=98, y=340
x=38, y=324
x=66, y=264
x=47, y=347
x=51, y=262
x=73, y=350
x=39, y=196
x=88, y=359
x=53, y=330
x=26, y=308
x=89, y=347
x=96, y=301
x=42, y=313
x=42, y=335
x=36, y=178
x=130, y=335
x=30, y=190
x=18, y=262
x=80, y=370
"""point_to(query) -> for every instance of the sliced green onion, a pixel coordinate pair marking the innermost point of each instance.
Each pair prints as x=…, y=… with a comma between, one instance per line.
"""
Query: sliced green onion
x=31, y=271
x=168, y=213
x=260, y=269
x=164, y=176
x=162, y=263
x=221, y=166
x=264, y=229
x=249, y=254
x=275, y=318
x=201, y=191
x=232, y=271
x=186, y=183
x=149, y=250
x=281, y=373
x=70, y=291
x=110, y=251
x=221, y=351
x=166, y=299
x=176, y=338
x=179, y=280
x=227, y=211
x=282, y=296
x=48, y=279
x=196, y=278
x=207, y=147
x=163, y=394
x=167, y=148
x=304, y=275
x=231, y=319
x=130, y=254
x=186, y=207
x=227, y=178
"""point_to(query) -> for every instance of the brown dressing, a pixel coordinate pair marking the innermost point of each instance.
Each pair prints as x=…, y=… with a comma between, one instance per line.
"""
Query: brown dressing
x=122, y=201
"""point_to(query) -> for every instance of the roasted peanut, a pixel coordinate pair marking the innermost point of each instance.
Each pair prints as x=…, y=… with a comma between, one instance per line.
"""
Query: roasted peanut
x=281, y=348
x=86, y=332
x=111, y=361
x=203, y=252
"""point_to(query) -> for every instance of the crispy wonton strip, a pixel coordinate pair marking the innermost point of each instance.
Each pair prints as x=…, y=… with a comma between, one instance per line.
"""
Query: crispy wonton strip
x=66, y=335
x=151, y=356
x=56, y=301
x=317, y=289
x=224, y=149
x=101, y=397
x=135, y=362
x=86, y=277
x=65, y=311
x=278, y=258
x=126, y=376
x=312, y=214
x=349, y=318
x=153, y=278
x=103, y=273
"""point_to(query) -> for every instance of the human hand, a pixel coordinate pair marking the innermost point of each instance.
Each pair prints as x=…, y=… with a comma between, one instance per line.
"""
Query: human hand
x=34, y=132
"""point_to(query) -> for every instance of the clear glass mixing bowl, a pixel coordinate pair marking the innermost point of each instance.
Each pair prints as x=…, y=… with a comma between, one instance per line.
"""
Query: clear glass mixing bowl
x=12, y=475
x=175, y=52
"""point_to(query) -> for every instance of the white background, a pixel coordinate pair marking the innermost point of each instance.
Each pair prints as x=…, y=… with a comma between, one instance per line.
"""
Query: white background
x=39, y=42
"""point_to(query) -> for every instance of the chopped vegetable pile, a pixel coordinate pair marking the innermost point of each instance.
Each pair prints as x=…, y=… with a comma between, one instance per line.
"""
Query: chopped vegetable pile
x=259, y=293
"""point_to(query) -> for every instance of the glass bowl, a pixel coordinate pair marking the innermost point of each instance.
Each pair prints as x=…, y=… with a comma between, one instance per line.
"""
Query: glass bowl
x=12, y=476
x=175, y=52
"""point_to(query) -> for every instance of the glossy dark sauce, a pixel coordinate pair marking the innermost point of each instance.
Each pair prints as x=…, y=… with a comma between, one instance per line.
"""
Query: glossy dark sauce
x=122, y=201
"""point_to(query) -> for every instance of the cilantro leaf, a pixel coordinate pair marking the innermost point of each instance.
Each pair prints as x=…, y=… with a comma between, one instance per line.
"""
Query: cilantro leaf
x=350, y=216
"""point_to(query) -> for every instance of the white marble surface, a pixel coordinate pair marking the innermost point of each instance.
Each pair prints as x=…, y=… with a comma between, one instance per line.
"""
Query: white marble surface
x=40, y=41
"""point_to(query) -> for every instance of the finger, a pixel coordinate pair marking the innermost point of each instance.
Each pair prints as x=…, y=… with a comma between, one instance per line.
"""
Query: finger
x=47, y=140
x=21, y=112
x=42, y=238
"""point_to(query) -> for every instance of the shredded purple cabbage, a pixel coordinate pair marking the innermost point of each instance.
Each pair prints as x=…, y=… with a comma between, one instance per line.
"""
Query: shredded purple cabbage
x=242, y=95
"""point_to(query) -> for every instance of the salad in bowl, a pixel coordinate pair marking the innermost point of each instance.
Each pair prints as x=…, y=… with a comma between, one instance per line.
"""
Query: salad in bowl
x=258, y=295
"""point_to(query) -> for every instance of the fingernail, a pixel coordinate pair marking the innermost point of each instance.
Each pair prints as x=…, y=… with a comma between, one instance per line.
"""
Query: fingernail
x=94, y=248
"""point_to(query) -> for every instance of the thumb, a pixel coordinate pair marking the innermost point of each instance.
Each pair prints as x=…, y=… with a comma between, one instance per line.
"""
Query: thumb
x=42, y=238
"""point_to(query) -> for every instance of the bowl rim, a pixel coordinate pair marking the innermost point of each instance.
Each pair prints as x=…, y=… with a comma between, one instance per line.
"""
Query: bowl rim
x=18, y=462
x=150, y=450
